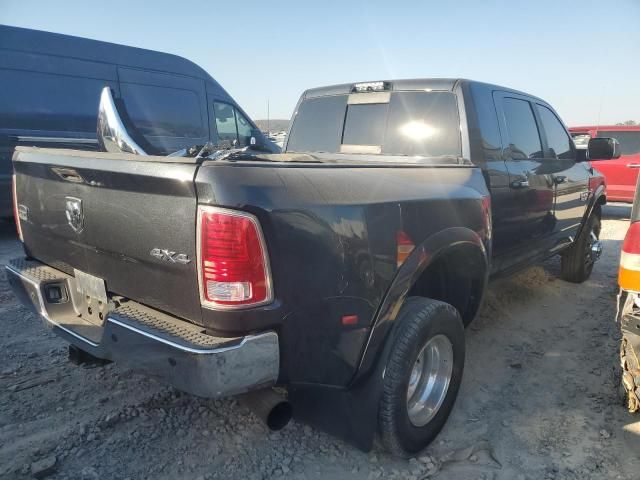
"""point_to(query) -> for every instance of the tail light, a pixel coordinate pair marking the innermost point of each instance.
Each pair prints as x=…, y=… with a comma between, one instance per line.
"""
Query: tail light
x=629, y=273
x=405, y=247
x=16, y=214
x=233, y=263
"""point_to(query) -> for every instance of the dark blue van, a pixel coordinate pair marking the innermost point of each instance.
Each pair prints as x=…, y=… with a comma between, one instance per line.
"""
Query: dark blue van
x=50, y=88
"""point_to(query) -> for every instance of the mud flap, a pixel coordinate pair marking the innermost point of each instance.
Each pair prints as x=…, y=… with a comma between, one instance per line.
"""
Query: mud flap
x=350, y=414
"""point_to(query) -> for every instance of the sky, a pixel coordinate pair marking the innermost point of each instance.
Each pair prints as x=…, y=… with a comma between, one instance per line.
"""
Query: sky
x=582, y=56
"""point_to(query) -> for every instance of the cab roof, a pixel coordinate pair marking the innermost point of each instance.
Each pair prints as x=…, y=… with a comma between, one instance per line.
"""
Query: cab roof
x=416, y=84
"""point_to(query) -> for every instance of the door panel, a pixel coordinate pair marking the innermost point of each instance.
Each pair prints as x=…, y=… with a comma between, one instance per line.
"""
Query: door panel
x=570, y=179
x=528, y=206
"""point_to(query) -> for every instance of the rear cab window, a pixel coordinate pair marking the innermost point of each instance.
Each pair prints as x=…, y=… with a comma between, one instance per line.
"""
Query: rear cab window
x=393, y=123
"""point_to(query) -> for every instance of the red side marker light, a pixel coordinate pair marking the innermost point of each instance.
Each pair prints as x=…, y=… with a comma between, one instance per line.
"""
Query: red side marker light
x=350, y=320
x=404, y=247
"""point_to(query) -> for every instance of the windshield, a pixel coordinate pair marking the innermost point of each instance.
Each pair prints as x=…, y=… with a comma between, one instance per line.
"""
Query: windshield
x=629, y=141
x=397, y=123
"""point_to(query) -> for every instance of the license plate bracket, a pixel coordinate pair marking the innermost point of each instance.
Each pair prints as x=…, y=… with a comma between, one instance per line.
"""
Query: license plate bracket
x=90, y=286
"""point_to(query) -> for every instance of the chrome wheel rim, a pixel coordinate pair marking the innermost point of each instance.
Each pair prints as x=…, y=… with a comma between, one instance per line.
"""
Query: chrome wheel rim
x=429, y=380
x=594, y=248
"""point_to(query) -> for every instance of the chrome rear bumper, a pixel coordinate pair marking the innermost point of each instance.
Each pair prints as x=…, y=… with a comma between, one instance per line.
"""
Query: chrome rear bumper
x=148, y=340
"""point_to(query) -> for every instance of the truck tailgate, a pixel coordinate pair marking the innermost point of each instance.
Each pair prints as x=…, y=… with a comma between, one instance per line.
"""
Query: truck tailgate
x=112, y=216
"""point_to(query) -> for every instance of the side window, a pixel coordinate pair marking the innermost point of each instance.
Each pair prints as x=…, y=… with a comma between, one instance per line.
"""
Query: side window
x=524, y=138
x=231, y=124
x=163, y=112
x=487, y=122
x=225, y=122
x=244, y=129
x=557, y=137
x=33, y=101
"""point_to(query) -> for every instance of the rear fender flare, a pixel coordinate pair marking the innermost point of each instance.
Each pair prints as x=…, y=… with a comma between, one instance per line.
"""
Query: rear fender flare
x=420, y=259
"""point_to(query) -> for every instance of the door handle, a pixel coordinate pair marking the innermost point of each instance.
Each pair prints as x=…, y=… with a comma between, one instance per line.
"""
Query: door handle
x=633, y=165
x=68, y=174
x=519, y=184
x=558, y=179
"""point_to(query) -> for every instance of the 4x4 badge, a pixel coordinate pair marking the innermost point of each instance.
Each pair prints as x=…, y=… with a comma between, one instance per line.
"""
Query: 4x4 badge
x=169, y=256
x=74, y=213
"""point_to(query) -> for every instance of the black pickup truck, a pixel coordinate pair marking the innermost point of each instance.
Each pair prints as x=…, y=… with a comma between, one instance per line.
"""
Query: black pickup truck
x=342, y=270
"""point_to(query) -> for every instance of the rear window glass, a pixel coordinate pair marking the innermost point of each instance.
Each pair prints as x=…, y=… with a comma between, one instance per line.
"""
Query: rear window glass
x=629, y=141
x=318, y=125
x=410, y=124
x=365, y=124
x=423, y=124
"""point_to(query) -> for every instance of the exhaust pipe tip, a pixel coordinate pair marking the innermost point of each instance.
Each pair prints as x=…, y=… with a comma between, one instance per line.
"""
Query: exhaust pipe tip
x=273, y=409
x=279, y=416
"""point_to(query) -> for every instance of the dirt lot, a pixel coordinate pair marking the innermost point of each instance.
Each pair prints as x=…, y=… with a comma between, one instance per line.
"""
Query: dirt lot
x=537, y=401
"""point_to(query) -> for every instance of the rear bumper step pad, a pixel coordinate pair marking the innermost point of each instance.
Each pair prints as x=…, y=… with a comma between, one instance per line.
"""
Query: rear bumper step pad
x=151, y=341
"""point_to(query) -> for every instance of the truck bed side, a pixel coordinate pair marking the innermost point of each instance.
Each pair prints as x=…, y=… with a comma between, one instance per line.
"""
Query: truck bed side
x=331, y=232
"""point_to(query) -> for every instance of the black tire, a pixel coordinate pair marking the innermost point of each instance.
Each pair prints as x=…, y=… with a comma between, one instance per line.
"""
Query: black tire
x=419, y=320
x=576, y=264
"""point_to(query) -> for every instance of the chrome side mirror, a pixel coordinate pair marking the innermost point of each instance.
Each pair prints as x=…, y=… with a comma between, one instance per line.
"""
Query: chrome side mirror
x=112, y=134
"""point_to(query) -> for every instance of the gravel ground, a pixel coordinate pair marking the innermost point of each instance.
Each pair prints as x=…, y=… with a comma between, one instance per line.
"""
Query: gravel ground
x=538, y=401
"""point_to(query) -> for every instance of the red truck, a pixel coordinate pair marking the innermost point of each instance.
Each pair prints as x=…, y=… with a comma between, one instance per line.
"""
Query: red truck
x=620, y=174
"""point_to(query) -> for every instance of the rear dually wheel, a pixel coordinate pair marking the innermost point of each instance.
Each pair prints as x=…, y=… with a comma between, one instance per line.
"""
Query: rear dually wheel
x=422, y=375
